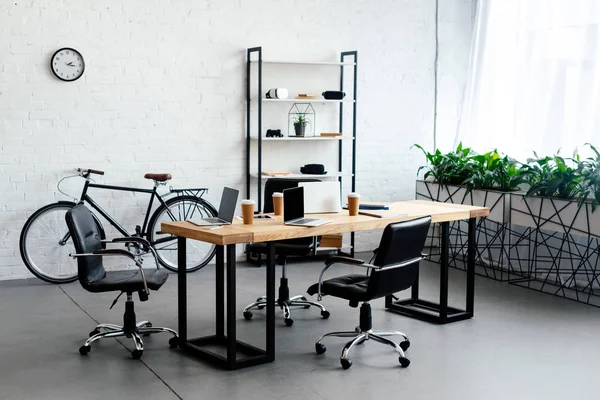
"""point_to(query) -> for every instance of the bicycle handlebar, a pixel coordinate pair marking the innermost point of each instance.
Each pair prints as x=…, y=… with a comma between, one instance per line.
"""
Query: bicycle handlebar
x=89, y=171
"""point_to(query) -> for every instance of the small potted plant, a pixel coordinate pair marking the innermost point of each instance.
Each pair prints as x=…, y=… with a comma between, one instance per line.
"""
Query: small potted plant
x=300, y=124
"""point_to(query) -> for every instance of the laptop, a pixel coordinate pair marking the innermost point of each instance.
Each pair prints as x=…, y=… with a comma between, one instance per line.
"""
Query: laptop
x=226, y=210
x=293, y=209
x=321, y=197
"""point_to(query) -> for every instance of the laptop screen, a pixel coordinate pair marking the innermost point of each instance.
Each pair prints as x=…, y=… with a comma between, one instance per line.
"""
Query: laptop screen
x=228, y=202
x=293, y=204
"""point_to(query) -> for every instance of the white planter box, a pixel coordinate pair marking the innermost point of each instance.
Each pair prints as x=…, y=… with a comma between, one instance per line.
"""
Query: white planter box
x=558, y=244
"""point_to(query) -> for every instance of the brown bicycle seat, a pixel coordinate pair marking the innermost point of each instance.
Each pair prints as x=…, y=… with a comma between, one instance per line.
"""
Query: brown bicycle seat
x=158, y=177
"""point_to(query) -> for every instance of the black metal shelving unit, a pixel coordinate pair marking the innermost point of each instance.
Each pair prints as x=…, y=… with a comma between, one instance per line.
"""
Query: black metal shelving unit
x=348, y=60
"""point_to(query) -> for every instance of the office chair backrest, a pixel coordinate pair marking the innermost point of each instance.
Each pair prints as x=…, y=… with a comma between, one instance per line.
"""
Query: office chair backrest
x=278, y=185
x=86, y=238
x=401, y=241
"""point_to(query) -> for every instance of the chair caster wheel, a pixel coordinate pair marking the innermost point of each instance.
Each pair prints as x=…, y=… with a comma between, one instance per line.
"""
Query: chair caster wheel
x=345, y=363
x=325, y=314
x=247, y=315
x=288, y=322
x=83, y=350
x=404, y=362
x=94, y=332
x=174, y=342
x=137, y=354
x=404, y=345
x=320, y=348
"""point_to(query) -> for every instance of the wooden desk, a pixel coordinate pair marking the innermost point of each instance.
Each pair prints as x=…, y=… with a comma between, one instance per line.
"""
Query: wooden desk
x=272, y=230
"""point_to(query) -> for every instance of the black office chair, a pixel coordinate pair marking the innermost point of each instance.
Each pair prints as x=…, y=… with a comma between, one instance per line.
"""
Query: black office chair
x=92, y=276
x=284, y=249
x=395, y=268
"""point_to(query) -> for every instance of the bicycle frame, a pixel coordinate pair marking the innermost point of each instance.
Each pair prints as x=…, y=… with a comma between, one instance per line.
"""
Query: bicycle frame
x=152, y=192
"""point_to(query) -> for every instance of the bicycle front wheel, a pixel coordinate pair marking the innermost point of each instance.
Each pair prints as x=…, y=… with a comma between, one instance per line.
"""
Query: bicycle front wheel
x=45, y=244
x=180, y=208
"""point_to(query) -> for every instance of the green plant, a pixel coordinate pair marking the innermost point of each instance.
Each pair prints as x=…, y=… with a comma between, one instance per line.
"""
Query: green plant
x=493, y=171
x=450, y=168
x=301, y=119
x=589, y=185
x=552, y=177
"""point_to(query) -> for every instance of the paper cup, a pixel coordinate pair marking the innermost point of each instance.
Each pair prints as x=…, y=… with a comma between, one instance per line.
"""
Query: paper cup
x=353, y=202
x=248, y=211
x=278, y=203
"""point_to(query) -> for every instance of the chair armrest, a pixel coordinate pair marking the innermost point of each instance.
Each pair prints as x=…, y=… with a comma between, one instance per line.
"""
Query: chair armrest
x=117, y=252
x=130, y=239
x=136, y=240
x=343, y=260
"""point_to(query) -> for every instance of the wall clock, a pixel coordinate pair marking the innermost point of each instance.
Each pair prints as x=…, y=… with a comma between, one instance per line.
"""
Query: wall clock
x=67, y=64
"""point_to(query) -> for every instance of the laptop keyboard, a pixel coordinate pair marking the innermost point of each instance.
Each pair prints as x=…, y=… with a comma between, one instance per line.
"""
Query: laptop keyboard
x=305, y=221
x=212, y=220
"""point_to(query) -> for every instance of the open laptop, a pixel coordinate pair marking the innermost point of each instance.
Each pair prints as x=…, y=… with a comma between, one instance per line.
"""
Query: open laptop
x=226, y=210
x=293, y=209
x=321, y=197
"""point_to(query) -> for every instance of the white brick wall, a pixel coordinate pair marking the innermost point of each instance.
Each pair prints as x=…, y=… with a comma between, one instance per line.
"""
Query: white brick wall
x=164, y=90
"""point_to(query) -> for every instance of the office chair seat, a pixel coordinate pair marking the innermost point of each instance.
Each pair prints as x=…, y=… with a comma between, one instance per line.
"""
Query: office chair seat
x=129, y=281
x=349, y=287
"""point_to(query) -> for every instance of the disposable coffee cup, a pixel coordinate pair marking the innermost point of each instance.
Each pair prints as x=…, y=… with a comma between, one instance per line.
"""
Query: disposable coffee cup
x=278, y=203
x=353, y=202
x=248, y=211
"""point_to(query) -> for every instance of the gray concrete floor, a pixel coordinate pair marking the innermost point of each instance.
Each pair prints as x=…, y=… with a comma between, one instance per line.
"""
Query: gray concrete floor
x=520, y=345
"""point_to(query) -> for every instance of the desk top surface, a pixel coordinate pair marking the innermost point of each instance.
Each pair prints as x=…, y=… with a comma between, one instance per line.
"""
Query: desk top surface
x=265, y=230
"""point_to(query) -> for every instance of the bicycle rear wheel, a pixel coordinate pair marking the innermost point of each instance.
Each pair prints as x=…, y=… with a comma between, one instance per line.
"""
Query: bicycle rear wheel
x=180, y=208
x=45, y=244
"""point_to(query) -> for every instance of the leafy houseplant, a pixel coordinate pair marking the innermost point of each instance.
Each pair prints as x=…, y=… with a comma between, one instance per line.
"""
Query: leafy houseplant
x=451, y=168
x=493, y=171
x=553, y=177
x=589, y=185
x=300, y=123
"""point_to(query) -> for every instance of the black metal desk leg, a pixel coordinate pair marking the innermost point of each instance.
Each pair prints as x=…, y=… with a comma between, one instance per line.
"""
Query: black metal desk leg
x=182, y=288
x=471, y=250
x=444, y=272
x=220, y=292
x=271, y=301
x=231, y=311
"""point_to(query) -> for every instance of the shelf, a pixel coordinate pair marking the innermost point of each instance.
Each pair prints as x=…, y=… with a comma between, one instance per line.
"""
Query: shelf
x=301, y=139
x=304, y=101
x=332, y=63
x=292, y=176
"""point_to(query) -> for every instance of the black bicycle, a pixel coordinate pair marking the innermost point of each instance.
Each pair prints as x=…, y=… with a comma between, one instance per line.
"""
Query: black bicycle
x=46, y=243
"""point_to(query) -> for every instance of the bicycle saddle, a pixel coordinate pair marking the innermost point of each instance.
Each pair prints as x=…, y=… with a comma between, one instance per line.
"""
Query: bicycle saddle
x=158, y=177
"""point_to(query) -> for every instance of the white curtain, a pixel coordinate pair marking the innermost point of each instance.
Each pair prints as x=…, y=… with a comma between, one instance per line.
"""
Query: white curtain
x=534, y=79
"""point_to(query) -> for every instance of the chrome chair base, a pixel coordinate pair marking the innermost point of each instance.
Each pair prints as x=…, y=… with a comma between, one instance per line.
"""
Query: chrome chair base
x=143, y=328
x=296, y=301
x=359, y=336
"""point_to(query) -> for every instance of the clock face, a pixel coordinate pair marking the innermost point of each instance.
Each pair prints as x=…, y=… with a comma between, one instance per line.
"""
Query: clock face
x=67, y=64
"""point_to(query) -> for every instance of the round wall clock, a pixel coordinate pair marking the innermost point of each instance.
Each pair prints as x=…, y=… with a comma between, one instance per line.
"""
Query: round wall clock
x=67, y=64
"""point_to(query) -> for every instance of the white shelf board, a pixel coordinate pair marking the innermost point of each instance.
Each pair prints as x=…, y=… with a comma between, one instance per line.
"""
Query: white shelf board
x=302, y=139
x=328, y=175
x=333, y=63
x=305, y=100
